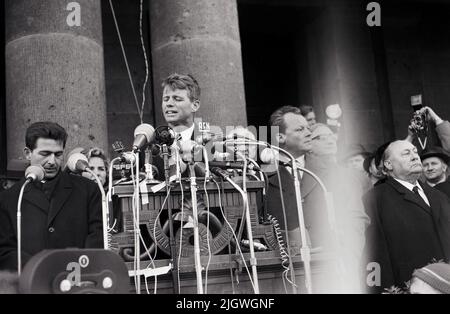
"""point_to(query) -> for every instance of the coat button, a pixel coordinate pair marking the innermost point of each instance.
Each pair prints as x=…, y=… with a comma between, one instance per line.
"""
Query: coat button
x=51, y=229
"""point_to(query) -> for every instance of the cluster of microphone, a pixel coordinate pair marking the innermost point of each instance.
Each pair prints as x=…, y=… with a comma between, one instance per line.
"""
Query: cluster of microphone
x=145, y=134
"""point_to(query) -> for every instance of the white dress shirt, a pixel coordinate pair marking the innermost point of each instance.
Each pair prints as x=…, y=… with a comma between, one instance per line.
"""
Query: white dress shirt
x=186, y=135
x=410, y=187
x=300, y=162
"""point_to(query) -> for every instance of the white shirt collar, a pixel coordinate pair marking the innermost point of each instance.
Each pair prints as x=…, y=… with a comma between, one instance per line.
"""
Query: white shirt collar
x=408, y=185
x=186, y=135
x=301, y=161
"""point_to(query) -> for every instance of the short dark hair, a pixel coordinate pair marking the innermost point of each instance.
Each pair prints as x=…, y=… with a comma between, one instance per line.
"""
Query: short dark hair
x=305, y=109
x=277, y=117
x=48, y=130
x=180, y=81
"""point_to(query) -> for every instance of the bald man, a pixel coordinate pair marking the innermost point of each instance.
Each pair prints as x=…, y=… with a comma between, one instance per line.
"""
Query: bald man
x=410, y=221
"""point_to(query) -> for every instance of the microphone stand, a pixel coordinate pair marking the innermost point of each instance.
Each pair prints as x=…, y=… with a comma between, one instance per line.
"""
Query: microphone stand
x=248, y=222
x=305, y=249
x=105, y=210
x=198, y=265
x=19, y=227
x=137, y=230
x=173, y=251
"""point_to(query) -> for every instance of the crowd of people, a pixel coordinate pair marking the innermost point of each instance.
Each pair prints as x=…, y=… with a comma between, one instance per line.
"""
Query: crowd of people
x=390, y=207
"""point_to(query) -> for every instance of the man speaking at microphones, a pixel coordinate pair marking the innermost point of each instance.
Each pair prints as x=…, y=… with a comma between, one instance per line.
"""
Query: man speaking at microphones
x=62, y=210
x=180, y=102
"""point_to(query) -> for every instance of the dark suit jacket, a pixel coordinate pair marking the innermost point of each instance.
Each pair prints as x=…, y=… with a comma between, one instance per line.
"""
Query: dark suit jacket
x=287, y=194
x=72, y=218
x=405, y=233
x=444, y=187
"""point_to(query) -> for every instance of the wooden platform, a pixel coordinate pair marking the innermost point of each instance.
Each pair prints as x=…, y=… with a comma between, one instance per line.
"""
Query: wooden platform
x=269, y=268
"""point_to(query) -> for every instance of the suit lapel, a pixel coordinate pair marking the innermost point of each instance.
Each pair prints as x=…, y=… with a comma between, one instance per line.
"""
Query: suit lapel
x=61, y=194
x=434, y=202
x=409, y=196
x=273, y=178
x=36, y=197
x=307, y=184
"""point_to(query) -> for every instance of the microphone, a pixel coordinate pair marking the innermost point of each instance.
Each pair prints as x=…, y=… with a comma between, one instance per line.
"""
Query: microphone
x=226, y=164
x=34, y=173
x=268, y=155
x=188, y=149
x=128, y=157
x=143, y=134
x=220, y=172
x=77, y=163
x=164, y=135
x=206, y=137
x=221, y=156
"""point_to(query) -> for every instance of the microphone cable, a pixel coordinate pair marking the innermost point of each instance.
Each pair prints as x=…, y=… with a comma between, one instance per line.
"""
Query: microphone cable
x=140, y=239
x=284, y=254
x=154, y=231
x=178, y=162
x=135, y=257
x=207, y=237
x=181, y=236
x=125, y=59
x=283, y=208
x=107, y=236
x=234, y=234
x=141, y=113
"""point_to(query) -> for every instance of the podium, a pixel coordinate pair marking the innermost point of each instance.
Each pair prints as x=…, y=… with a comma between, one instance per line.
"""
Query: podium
x=226, y=262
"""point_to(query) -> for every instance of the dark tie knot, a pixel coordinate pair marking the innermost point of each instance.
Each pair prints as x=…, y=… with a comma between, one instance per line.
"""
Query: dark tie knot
x=416, y=190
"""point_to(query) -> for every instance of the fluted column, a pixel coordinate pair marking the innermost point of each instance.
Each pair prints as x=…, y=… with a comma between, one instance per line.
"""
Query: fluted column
x=55, y=70
x=200, y=37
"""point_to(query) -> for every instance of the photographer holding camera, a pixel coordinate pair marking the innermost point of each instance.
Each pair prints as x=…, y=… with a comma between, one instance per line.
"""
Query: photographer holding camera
x=437, y=133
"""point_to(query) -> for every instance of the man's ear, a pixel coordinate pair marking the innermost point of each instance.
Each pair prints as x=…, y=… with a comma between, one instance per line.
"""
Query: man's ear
x=444, y=167
x=195, y=105
x=281, y=138
x=388, y=165
x=27, y=153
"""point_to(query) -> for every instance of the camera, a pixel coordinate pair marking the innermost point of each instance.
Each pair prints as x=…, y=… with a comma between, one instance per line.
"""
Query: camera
x=420, y=121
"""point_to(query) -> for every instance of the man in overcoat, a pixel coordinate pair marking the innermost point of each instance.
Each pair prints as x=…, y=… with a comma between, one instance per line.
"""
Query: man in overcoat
x=410, y=221
x=61, y=211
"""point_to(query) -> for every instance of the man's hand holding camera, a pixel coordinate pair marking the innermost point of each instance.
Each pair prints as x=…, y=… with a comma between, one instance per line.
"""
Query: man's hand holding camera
x=419, y=122
x=431, y=115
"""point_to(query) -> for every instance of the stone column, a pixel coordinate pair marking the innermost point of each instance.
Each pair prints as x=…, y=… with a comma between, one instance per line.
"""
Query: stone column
x=55, y=70
x=200, y=37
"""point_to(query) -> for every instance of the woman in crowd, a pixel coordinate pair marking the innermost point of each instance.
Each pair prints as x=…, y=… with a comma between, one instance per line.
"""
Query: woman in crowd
x=98, y=164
